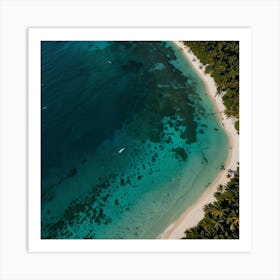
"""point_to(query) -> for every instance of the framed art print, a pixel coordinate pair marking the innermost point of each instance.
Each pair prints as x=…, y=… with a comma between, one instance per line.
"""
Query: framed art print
x=137, y=139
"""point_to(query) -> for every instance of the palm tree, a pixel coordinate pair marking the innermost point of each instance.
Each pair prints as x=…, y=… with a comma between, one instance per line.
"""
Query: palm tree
x=218, y=195
x=231, y=198
x=218, y=211
x=233, y=220
x=207, y=207
x=217, y=224
x=220, y=188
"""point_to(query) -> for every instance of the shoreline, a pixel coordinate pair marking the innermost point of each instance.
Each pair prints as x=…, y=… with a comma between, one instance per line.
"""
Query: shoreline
x=194, y=213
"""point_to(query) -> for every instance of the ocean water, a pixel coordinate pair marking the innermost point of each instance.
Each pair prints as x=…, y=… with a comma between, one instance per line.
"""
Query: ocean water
x=129, y=139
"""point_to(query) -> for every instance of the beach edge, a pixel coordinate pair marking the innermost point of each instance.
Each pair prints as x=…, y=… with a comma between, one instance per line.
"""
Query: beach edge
x=194, y=213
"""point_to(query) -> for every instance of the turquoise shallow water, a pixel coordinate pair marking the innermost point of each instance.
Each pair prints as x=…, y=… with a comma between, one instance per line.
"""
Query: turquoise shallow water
x=143, y=97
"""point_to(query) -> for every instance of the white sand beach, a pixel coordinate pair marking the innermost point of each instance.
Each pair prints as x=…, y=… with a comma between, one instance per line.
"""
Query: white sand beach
x=194, y=213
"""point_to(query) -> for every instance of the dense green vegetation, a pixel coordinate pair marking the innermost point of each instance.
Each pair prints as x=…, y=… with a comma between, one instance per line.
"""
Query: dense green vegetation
x=222, y=60
x=221, y=218
x=236, y=125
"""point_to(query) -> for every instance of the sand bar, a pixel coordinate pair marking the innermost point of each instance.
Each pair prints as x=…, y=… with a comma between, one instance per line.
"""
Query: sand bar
x=194, y=213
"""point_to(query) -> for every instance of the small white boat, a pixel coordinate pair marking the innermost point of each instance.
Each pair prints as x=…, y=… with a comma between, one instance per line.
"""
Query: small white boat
x=121, y=150
x=45, y=107
x=109, y=61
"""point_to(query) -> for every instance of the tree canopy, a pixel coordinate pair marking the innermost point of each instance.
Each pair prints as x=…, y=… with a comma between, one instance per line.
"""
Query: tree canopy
x=222, y=60
x=221, y=218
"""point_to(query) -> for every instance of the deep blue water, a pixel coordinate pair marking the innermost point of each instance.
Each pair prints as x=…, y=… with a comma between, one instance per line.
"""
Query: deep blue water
x=143, y=97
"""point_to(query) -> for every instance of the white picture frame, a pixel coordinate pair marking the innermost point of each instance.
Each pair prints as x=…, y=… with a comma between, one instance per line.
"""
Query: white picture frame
x=263, y=258
x=36, y=35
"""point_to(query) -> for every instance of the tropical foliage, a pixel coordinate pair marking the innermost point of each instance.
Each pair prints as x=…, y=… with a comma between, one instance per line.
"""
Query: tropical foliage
x=221, y=218
x=222, y=60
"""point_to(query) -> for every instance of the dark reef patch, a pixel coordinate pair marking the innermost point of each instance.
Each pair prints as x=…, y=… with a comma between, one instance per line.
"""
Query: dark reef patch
x=180, y=153
x=72, y=173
